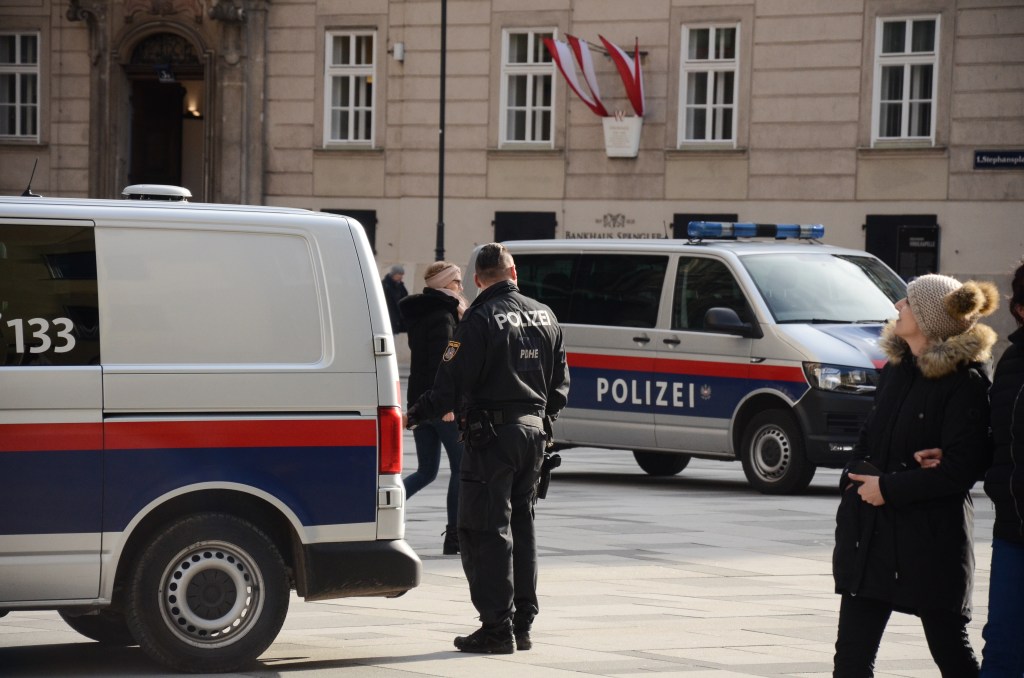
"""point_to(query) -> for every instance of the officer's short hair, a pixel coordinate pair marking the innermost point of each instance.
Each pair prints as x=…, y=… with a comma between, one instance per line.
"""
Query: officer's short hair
x=493, y=262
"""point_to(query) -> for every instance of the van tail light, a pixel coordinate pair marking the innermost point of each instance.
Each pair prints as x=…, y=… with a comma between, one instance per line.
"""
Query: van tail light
x=389, y=439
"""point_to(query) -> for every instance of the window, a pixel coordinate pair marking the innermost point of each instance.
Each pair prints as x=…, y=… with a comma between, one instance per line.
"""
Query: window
x=349, y=76
x=19, y=85
x=528, y=88
x=907, y=243
x=708, y=81
x=906, y=57
x=48, y=300
x=703, y=284
x=612, y=290
x=524, y=226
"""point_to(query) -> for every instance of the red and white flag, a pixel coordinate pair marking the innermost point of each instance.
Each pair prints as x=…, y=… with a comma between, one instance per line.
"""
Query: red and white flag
x=629, y=71
x=563, y=54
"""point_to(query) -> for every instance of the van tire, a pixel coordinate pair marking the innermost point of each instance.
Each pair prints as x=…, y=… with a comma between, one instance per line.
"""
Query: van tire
x=773, y=454
x=661, y=463
x=217, y=556
x=107, y=627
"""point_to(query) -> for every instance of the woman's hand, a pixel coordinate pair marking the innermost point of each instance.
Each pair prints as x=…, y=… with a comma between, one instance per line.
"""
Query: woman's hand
x=450, y=416
x=929, y=458
x=869, y=490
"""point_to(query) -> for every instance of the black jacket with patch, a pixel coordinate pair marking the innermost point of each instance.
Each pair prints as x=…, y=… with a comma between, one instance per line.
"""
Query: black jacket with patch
x=430, y=319
x=916, y=552
x=1004, y=482
x=507, y=354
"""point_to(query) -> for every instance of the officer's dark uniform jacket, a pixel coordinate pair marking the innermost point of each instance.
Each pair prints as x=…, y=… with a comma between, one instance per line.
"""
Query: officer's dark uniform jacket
x=506, y=356
x=916, y=551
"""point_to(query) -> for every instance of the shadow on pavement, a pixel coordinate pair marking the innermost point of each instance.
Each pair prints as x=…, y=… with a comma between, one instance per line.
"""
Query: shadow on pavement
x=95, y=660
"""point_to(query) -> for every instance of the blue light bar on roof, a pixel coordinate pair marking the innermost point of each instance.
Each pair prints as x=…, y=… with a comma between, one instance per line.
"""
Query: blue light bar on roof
x=723, y=229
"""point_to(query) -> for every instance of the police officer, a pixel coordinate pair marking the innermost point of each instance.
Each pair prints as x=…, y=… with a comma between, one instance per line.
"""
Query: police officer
x=504, y=371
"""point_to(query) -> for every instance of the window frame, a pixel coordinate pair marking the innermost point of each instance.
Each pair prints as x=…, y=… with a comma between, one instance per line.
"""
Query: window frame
x=354, y=72
x=906, y=59
x=531, y=70
x=20, y=69
x=688, y=66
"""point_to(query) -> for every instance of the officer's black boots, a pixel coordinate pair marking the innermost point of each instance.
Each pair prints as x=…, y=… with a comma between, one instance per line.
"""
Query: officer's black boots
x=521, y=629
x=451, y=541
x=497, y=639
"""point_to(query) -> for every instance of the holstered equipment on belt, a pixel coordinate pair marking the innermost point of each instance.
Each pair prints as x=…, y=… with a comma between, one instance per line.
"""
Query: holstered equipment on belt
x=551, y=462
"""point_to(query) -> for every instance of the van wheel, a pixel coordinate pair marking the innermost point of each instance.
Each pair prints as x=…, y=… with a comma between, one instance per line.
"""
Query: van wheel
x=106, y=627
x=661, y=463
x=773, y=454
x=208, y=595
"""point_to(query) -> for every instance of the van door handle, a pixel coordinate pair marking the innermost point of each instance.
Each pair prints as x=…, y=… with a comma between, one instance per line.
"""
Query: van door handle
x=642, y=339
x=672, y=341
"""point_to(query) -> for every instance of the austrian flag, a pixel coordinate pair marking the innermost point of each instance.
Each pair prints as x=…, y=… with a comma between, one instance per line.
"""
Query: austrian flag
x=628, y=67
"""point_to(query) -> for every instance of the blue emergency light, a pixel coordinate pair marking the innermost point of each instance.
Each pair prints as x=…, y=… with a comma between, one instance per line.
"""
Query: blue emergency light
x=723, y=229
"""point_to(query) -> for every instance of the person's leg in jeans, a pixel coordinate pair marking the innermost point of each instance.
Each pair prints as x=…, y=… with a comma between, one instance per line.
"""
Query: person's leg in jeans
x=946, y=633
x=861, y=625
x=448, y=432
x=1003, y=654
x=428, y=457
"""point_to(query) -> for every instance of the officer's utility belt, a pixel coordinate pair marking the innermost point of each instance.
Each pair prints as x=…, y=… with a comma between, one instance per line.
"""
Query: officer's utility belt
x=499, y=417
x=478, y=425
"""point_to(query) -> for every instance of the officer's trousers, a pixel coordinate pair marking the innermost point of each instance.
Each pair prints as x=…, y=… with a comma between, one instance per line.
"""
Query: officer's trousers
x=496, y=535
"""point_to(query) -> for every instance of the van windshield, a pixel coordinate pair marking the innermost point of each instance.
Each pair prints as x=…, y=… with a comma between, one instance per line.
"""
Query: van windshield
x=826, y=288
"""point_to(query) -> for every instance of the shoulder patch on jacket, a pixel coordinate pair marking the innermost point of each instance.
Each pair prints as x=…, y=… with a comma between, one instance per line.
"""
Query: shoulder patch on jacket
x=449, y=353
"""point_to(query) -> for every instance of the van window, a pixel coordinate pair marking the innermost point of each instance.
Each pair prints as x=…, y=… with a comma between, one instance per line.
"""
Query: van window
x=702, y=284
x=48, y=296
x=595, y=289
x=822, y=287
x=209, y=297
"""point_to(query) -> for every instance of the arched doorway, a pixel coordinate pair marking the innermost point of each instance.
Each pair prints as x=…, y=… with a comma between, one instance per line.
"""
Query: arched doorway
x=167, y=105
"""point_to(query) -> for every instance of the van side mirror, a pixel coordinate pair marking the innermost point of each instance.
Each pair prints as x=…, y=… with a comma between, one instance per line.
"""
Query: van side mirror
x=721, y=319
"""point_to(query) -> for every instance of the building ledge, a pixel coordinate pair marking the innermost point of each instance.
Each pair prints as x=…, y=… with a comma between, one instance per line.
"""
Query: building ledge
x=705, y=152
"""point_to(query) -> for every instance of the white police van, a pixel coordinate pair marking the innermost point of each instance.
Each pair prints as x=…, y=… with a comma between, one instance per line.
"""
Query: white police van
x=199, y=411
x=727, y=346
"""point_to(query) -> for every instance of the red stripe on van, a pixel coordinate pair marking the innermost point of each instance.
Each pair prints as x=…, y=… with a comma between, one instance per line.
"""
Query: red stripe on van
x=248, y=433
x=56, y=437
x=701, y=368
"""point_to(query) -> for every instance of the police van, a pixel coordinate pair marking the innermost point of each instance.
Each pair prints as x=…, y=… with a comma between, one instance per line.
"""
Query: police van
x=748, y=341
x=199, y=411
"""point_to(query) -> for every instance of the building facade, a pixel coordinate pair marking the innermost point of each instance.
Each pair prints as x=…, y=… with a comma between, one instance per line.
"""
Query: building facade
x=899, y=124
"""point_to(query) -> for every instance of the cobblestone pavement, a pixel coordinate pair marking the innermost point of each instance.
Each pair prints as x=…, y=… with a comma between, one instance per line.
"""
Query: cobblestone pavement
x=694, y=575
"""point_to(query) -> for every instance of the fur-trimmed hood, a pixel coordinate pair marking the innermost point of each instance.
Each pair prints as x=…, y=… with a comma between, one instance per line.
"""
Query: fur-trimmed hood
x=941, y=357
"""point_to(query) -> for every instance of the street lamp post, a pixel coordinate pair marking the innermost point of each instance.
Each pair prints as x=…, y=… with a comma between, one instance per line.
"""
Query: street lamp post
x=439, y=249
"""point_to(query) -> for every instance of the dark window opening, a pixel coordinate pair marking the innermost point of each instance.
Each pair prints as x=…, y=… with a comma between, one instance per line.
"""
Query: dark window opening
x=907, y=243
x=524, y=226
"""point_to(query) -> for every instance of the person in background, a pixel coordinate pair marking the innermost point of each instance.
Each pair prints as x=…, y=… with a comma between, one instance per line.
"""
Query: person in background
x=430, y=319
x=904, y=533
x=394, y=292
x=1003, y=653
x=505, y=371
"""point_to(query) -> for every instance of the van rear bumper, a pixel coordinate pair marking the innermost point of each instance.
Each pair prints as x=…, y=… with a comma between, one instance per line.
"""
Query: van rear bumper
x=373, y=568
x=831, y=423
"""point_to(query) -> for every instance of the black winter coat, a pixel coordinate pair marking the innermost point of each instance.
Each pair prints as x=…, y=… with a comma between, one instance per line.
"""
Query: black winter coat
x=430, y=319
x=916, y=552
x=1004, y=482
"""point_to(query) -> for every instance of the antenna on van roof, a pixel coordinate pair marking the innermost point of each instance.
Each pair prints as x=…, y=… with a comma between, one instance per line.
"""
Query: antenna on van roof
x=27, y=193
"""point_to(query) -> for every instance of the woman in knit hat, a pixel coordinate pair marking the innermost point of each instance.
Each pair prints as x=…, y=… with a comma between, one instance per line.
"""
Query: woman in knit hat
x=904, y=532
x=430, y=320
